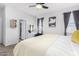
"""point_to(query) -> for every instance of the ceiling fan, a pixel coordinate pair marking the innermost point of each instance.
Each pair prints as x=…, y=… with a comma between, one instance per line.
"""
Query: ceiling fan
x=39, y=6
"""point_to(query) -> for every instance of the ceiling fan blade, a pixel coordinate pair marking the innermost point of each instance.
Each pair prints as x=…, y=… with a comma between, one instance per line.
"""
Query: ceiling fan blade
x=45, y=7
x=32, y=5
x=40, y=3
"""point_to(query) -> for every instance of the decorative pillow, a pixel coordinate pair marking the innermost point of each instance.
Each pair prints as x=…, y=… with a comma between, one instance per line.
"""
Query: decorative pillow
x=75, y=36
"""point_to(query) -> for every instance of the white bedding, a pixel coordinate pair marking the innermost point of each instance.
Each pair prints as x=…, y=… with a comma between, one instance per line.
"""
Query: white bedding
x=50, y=45
x=62, y=47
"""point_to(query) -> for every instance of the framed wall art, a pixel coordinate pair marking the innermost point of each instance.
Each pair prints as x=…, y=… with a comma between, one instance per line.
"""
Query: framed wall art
x=52, y=21
x=13, y=23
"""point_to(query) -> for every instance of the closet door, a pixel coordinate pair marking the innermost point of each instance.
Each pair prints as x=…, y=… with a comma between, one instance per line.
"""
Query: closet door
x=23, y=32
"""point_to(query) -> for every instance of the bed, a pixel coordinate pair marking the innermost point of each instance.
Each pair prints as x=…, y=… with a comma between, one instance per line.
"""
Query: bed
x=47, y=45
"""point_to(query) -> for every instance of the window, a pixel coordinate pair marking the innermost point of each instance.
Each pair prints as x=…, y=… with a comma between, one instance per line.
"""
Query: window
x=71, y=25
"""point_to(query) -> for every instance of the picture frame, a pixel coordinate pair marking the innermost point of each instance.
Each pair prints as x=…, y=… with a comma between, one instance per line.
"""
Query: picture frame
x=13, y=23
x=52, y=21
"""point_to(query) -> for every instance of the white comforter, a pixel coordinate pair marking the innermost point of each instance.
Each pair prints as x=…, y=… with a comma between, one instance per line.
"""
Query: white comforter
x=50, y=45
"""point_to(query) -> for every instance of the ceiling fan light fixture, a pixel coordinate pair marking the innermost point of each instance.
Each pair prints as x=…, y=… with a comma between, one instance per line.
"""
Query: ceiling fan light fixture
x=39, y=6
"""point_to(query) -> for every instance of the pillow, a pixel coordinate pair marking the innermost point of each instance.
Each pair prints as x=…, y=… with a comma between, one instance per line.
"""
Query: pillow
x=75, y=36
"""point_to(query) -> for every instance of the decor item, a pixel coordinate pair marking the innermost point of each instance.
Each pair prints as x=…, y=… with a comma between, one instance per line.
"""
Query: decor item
x=75, y=36
x=52, y=21
x=13, y=23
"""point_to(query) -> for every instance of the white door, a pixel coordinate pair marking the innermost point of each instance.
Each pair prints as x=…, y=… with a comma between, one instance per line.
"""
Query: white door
x=23, y=29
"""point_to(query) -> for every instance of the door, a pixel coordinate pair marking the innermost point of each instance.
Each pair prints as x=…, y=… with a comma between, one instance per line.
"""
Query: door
x=40, y=25
x=23, y=31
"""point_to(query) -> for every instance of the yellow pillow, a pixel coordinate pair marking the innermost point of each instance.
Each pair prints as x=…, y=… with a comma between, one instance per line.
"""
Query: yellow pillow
x=75, y=36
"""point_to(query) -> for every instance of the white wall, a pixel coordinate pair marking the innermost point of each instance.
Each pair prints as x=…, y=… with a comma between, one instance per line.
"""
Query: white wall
x=59, y=20
x=59, y=24
x=12, y=35
x=0, y=25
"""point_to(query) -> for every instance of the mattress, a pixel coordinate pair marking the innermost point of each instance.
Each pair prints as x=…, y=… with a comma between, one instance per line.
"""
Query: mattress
x=46, y=45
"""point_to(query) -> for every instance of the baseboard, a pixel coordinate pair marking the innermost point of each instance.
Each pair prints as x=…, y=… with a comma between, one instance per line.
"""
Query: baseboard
x=7, y=44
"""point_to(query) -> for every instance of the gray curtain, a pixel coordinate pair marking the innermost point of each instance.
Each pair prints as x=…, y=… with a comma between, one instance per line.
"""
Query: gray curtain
x=66, y=20
x=76, y=18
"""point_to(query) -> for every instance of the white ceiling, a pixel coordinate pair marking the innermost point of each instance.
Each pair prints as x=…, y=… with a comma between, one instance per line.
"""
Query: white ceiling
x=34, y=11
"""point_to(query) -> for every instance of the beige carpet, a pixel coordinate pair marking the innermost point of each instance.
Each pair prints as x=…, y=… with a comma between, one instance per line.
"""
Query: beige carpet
x=6, y=51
